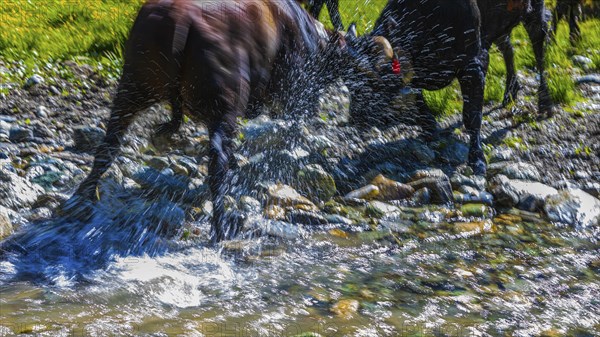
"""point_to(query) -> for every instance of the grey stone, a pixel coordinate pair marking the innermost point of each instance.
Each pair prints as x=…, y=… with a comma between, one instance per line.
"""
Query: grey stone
x=306, y=218
x=314, y=182
x=20, y=134
x=87, y=138
x=521, y=171
x=34, y=80
x=439, y=188
x=574, y=207
x=17, y=192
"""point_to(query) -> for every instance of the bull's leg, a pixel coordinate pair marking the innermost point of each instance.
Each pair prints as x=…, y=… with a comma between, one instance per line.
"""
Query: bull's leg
x=574, y=15
x=315, y=7
x=537, y=30
x=124, y=108
x=334, y=14
x=424, y=117
x=512, y=84
x=472, y=82
x=169, y=128
x=223, y=227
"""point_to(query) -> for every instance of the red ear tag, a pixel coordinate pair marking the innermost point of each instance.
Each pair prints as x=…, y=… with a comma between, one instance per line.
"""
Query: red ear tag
x=396, y=66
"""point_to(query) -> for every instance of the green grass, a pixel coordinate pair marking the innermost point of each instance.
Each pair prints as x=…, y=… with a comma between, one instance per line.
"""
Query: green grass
x=36, y=34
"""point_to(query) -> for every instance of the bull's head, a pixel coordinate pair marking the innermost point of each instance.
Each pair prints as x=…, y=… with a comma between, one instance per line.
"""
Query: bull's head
x=380, y=72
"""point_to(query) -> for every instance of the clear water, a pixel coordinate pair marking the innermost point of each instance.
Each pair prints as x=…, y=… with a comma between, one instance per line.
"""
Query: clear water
x=520, y=277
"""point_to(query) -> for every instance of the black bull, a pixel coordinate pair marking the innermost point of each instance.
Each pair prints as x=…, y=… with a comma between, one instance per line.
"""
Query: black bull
x=217, y=61
x=448, y=39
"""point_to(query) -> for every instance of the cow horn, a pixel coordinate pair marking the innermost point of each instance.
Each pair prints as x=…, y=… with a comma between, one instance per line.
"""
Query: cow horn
x=385, y=45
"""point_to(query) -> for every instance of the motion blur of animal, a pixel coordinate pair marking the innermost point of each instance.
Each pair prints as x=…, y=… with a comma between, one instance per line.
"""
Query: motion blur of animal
x=571, y=10
x=215, y=62
x=314, y=7
x=447, y=39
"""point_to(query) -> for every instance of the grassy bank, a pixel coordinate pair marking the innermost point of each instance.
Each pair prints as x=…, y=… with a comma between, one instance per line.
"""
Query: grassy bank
x=36, y=34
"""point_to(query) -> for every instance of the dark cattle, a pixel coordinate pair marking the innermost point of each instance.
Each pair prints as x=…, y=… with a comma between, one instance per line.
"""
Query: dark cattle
x=215, y=61
x=448, y=39
x=571, y=11
x=315, y=6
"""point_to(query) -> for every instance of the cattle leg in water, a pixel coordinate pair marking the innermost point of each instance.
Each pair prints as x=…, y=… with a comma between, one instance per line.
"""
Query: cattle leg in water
x=512, y=84
x=129, y=100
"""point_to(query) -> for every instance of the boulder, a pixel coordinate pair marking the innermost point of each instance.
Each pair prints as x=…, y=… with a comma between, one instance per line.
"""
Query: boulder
x=368, y=192
x=17, y=192
x=87, y=138
x=391, y=190
x=314, y=182
x=525, y=195
x=574, y=207
x=440, y=190
x=521, y=171
x=286, y=196
x=6, y=226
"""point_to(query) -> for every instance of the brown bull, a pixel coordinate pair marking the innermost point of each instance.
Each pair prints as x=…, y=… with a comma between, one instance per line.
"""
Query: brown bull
x=217, y=61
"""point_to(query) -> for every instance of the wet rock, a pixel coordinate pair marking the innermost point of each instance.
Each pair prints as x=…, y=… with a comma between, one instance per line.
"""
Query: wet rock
x=391, y=190
x=421, y=152
x=158, y=163
x=528, y=196
x=368, y=192
x=6, y=226
x=422, y=174
x=477, y=182
x=473, y=227
x=20, y=134
x=422, y=196
x=316, y=183
x=378, y=209
x=275, y=212
x=477, y=197
x=305, y=218
x=17, y=192
x=286, y=196
x=439, y=188
x=521, y=171
x=249, y=204
x=345, y=309
x=338, y=219
x=280, y=229
x=476, y=211
x=87, y=138
x=573, y=207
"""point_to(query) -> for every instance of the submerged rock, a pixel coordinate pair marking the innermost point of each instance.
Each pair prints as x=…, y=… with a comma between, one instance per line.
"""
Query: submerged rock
x=391, y=190
x=286, y=196
x=574, y=207
x=316, y=183
x=345, y=309
x=306, y=218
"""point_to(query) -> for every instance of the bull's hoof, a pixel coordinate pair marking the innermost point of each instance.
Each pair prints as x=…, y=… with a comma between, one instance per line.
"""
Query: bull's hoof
x=479, y=167
x=547, y=111
x=228, y=228
x=77, y=208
